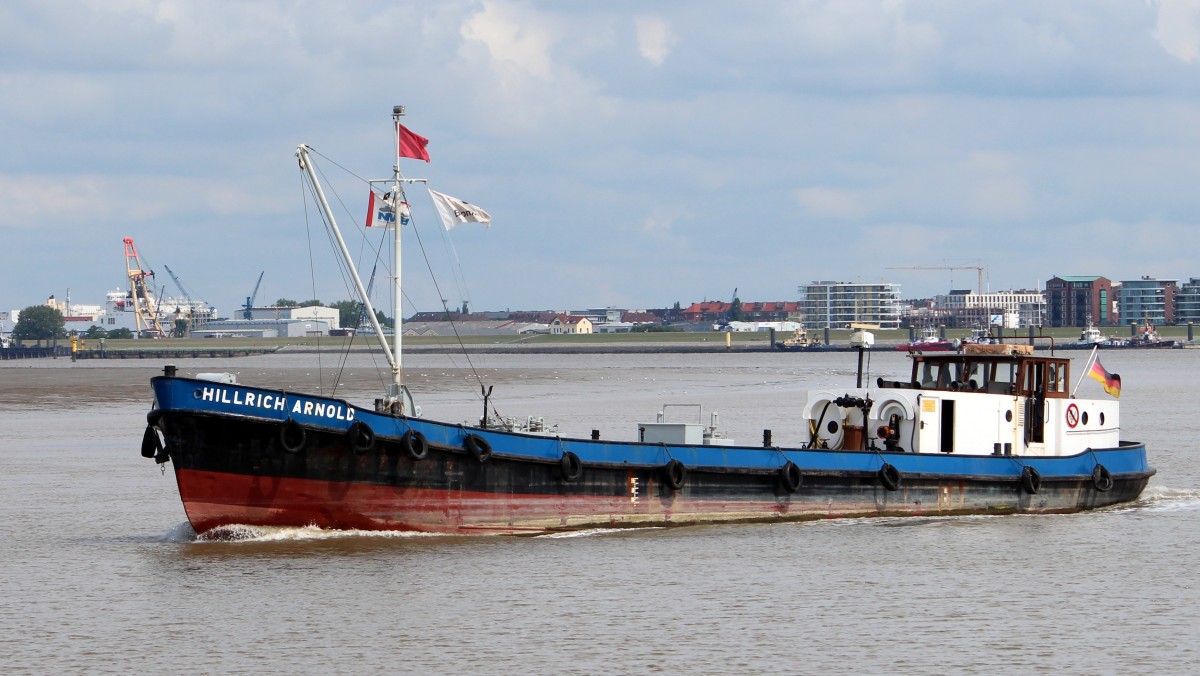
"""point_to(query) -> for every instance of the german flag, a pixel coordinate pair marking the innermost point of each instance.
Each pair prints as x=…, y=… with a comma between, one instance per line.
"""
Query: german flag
x=1110, y=381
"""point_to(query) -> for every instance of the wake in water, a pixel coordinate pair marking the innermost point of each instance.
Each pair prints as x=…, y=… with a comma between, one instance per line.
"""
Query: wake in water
x=595, y=532
x=242, y=533
x=1164, y=499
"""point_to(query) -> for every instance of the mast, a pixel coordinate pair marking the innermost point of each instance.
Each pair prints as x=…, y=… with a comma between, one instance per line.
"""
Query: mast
x=397, y=341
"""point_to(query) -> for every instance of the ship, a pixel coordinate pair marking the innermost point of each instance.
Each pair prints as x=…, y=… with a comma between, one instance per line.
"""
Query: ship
x=929, y=341
x=992, y=429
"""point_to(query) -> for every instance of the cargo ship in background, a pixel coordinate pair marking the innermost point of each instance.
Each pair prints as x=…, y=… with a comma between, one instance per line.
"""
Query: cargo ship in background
x=140, y=308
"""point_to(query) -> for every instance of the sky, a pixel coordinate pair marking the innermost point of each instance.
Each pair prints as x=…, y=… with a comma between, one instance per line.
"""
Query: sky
x=631, y=154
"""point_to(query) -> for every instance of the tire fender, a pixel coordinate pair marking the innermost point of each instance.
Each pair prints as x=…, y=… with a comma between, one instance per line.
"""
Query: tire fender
x=675, y=474
x=571, y=466
x=1031, y=480
x=889, y=476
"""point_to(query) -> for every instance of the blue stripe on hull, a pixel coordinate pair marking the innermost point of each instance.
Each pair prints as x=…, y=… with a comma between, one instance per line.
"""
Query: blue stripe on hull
x=337, y=415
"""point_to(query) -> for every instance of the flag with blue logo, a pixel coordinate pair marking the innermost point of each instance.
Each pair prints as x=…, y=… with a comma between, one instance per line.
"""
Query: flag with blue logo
x=382, y=211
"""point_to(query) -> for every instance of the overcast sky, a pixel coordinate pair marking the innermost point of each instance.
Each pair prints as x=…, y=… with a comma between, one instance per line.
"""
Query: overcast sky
x=631, y=154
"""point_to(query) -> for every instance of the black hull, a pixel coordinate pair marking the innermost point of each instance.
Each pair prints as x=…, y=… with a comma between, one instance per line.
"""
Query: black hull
x=234, y=469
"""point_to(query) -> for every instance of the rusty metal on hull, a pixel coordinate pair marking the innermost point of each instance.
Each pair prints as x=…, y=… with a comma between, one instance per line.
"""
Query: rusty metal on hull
x=238, y=472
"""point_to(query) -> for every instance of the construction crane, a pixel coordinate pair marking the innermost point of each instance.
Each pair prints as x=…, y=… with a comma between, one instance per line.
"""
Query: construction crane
x=248, y=308
x=178, y=284
x=197, y=310
x=981, y=270
x=145, y=307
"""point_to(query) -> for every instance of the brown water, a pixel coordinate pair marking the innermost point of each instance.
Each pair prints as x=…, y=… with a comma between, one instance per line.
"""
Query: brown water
x=99, y=571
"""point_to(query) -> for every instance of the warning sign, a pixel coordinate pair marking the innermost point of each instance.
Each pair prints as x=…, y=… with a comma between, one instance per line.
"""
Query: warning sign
x=1072, y=416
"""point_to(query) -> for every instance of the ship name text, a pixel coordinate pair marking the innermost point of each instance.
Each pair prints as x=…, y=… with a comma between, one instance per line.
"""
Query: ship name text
x=276, y=402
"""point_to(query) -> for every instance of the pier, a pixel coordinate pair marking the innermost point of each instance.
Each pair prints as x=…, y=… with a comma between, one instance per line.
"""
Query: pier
x=34, y=352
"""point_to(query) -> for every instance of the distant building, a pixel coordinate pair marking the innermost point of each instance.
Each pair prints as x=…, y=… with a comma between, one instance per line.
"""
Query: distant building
x=1148, y=299
x=770, y=311
x=1073, y=300
x=262, y=328
x=328, y=315
x=705, y=311
x=839, y=304
x=1010, y=309
x=1187, y=302
x=570, y=324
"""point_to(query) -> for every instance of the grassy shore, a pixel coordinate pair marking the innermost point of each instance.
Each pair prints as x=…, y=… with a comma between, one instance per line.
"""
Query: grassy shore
x=836, y=337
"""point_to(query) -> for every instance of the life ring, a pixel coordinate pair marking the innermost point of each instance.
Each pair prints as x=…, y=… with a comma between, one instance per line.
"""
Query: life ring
x=151, y=442
x=571, y=466
x=416, y=444
x=889, y=476
x=1031, y=480
x=478, y=447
x=292, y=436
x=1102, y=478
x=675, y=474
x=790, y=477
x=361, y=437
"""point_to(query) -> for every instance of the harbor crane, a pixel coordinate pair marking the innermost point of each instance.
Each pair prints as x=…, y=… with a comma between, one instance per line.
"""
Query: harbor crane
x=178, y=284
x=248, y=308
x=196, y=308
x=145, y=306
x=980, y=270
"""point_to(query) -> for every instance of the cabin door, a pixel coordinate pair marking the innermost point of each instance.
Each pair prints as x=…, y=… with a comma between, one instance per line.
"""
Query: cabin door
x=1035, y=403
x=930, y=422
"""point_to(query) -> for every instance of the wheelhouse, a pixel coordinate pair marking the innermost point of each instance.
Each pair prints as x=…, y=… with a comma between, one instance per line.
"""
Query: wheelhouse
x=1016, y=374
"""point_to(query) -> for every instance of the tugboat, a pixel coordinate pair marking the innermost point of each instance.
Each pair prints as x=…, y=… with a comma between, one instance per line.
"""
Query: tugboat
x=1147, y=336
x=991, y=430
x=930, y=341
x=1091, y=337
x=799, y=341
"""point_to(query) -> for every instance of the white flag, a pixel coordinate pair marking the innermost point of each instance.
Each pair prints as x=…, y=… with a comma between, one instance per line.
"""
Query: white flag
x=454, y=211
x=380, y=212
x=383, y=209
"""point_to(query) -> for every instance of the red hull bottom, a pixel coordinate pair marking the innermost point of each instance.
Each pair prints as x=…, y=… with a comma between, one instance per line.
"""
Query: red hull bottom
x=215, y=499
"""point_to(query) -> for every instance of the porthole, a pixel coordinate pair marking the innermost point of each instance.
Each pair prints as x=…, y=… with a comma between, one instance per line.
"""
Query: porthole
x=1008, y=416
x=1101, y=419
x=832, y=427
x=1083, y=418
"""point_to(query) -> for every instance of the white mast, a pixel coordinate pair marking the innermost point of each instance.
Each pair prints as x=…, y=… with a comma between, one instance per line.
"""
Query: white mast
x=397, y=370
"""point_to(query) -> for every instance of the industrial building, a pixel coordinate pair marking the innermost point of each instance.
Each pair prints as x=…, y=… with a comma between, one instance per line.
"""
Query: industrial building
x=274, y=322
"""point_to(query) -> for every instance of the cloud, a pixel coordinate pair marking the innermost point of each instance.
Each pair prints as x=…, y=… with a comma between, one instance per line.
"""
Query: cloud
x=831, y=203
x=515, y=37
x=1177, y=28
x=994, y=190
x=33, y=200
x=654, y=38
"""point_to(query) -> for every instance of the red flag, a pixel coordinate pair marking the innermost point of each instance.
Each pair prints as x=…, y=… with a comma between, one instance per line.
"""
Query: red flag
x=411, y=145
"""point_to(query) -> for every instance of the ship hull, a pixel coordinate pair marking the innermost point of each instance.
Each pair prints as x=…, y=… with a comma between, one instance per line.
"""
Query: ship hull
x=268, y=458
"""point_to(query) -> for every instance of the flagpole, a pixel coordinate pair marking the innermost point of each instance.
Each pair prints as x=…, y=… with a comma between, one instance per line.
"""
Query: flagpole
x=397, y=297
x=1086, y=369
